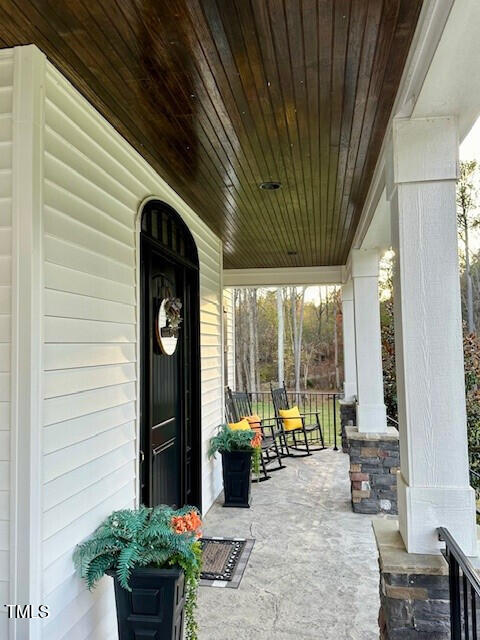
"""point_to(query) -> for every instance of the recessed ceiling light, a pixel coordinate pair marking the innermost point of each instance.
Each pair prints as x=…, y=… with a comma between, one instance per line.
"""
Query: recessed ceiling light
x=270, y=186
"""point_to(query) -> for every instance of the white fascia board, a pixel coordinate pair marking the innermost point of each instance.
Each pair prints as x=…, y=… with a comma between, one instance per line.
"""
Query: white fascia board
x=378, y=235
x=271, y=277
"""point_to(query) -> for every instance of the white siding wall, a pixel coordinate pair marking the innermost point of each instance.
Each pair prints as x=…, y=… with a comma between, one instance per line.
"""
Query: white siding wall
x=229, y=336
x=6, y=90
x=93, y=185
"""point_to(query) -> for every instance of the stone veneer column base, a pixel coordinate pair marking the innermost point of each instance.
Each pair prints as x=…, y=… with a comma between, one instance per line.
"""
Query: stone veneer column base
x=414, y=596
x=348, y=417
x=374, y=462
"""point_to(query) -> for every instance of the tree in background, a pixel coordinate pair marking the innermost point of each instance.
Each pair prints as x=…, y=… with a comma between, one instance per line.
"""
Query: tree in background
x=471, y=354
x=280, y=337
x=466, y=205
x=297, y=309
x=388, y=335
x=468, y=222
x=470, y=289
x=285, y=334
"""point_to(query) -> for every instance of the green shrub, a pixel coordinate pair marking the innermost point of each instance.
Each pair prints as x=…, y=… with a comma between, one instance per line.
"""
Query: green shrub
x=471, y=354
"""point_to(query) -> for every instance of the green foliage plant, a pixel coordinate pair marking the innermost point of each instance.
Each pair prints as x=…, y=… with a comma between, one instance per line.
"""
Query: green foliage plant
x=227, y=440
x=159, y=537
x=471, y=353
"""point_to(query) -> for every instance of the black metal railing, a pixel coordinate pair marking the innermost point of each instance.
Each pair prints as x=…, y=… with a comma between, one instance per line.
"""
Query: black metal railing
x=464, y=587
x=392, y=421
x=325, y=404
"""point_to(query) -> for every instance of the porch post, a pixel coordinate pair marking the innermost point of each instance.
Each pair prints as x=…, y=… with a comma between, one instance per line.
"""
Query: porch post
x=433, y=482
x=349, y=355
x=371, y=413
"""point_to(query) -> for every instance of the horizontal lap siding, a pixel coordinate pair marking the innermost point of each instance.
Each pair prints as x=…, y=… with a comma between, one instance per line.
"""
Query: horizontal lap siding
x=6, y=93
x=93, y=185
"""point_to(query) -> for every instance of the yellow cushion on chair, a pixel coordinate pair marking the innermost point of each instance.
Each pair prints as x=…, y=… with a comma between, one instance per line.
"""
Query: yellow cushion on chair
x=240, y=426
x=291, y=418
x=254, y=421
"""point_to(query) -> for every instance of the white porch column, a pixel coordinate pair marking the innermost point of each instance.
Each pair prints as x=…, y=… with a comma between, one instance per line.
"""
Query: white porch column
x=433, y=483
x=371, y=413
x=349, y=355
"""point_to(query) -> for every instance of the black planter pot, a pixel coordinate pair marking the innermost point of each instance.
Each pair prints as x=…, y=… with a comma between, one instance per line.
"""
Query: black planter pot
x=154, y=607
x=236, y=478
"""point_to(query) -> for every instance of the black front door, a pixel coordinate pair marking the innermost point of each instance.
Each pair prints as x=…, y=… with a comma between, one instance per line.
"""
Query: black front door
x=170, y=413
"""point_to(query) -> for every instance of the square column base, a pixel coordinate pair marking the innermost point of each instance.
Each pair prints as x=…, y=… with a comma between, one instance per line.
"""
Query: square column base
x=374, y=462
x=414, y=593
x=424, y=509
x=371, y=418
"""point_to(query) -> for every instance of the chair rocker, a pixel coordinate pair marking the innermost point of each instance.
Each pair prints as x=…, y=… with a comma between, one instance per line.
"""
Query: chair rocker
x=311, y=426
x=240, y=406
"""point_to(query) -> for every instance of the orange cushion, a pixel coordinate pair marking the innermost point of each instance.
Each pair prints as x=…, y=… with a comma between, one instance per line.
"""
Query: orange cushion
x=243, y=425
x=254, y=421
x=291, y=418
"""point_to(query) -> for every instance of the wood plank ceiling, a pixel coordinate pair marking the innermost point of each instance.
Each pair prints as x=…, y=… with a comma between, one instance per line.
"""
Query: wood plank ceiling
x=222, y=95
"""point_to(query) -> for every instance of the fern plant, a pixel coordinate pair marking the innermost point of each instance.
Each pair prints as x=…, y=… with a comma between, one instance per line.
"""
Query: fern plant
x=160, y=537
x=237, y=440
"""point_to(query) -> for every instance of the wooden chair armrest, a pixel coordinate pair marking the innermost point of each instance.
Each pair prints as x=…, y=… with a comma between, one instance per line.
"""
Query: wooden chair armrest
x=265, y=420
x=267, y=426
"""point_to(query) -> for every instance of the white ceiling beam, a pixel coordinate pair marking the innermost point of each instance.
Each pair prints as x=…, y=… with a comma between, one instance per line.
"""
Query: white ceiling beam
x=294, y=276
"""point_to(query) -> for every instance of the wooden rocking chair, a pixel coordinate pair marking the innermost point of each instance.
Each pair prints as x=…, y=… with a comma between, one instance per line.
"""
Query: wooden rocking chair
x=309, y=425
x=238, y=406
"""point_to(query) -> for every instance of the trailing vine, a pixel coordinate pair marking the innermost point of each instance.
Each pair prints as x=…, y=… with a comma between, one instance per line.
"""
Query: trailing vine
x=157, y=537
x=257, y=453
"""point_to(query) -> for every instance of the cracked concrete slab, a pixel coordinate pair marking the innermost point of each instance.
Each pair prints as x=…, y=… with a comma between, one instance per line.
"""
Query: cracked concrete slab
x=313, y=571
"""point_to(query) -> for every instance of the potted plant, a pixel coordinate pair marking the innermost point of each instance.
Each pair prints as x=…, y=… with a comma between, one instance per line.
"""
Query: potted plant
x=154, y=558
x=237, y=447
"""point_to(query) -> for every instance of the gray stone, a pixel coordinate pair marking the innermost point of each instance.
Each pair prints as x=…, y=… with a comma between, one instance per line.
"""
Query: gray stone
x=387, y=495
x=382, y=480
x=396, y=579
x=436, y=586
x=433, y=626
x=397, y=610
x=414, y=594
x=391, y=461
x=387, y=444
x=438, y=610
x=374, y=455
x=372, y=469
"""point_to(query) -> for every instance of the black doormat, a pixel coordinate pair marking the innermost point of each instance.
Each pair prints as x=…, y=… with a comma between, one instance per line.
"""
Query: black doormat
x=224, y=561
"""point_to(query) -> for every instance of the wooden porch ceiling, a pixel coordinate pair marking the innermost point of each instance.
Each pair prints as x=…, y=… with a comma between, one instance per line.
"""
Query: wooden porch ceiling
x=222, y=95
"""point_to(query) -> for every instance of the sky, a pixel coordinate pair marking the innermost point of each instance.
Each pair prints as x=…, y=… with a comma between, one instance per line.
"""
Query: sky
x=470, y=147
x=470, y=150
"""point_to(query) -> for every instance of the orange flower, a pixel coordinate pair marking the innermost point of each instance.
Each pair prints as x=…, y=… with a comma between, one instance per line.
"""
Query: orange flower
x=256, y=440
x=190, y=522
x=178, y=524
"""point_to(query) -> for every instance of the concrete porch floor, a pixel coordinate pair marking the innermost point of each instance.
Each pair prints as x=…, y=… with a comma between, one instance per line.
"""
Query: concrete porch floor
x=313, y=571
